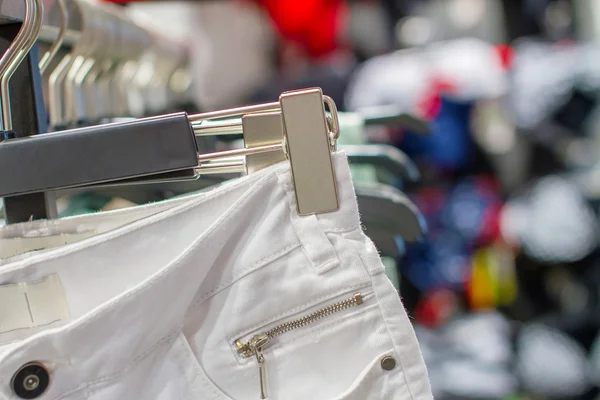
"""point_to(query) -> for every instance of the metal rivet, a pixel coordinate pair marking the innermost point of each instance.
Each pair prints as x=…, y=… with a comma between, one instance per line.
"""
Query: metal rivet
x=388, y=363
x=30, y=381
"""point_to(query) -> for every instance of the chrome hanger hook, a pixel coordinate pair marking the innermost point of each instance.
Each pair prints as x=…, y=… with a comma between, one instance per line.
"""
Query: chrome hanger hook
x=51, y=53
x=15, y=54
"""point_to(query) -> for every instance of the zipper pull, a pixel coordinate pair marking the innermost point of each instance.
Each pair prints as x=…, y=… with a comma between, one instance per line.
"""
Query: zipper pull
x=256, y=344
x=262, y=371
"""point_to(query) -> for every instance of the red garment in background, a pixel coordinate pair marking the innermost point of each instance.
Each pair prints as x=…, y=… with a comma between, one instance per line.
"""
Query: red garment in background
x=313, y=24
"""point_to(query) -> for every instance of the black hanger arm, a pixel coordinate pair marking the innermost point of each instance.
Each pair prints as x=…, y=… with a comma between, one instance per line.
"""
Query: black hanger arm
x=97, y=154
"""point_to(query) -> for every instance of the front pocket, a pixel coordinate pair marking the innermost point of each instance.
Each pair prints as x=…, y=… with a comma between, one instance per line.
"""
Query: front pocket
x=199, y=385
x=321, y=350
x=377, y=382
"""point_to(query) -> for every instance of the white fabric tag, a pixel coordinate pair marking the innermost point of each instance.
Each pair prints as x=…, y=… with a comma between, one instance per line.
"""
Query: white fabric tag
x=28, y=305
x=19, y=245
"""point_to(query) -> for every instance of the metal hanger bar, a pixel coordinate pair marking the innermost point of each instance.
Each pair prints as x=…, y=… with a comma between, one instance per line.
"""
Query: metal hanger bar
x=51, y=53
x=222, y=122
x=49, y=34
x=222, y=168
x=233, y=127
x=230, y=162
x=201, y=122
x=238, y=152
x=235, y=112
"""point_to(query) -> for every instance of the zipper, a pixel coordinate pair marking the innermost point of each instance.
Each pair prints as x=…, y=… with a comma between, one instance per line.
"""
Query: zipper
x=254, y=347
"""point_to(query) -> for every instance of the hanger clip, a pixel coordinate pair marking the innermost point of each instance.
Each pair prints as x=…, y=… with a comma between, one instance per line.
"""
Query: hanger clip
x=309, y=145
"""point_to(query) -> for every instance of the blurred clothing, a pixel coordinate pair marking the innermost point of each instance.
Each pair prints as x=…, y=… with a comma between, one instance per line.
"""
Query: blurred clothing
x=313, y=24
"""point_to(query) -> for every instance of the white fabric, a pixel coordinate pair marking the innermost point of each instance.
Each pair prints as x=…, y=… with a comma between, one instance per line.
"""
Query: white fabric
x=28, y=305
x=20, y=245
x=156, y=304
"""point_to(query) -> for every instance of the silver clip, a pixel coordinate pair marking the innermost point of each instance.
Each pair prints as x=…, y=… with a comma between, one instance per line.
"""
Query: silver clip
x=307, y=139
x=309, y=146
x=262, y=130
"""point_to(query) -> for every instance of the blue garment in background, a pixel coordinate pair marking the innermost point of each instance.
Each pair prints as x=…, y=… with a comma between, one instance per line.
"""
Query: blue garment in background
x=450, y=145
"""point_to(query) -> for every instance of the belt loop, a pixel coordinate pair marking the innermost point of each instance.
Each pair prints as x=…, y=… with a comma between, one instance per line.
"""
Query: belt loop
x=314, y=240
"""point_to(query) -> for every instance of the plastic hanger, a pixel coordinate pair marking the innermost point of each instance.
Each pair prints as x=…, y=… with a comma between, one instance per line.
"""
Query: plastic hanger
x=29, y=109
x=387, y=212
x=393, y=116
x=386, y=157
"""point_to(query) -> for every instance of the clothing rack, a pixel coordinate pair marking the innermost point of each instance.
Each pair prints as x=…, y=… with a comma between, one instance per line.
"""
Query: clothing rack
x=48, y=35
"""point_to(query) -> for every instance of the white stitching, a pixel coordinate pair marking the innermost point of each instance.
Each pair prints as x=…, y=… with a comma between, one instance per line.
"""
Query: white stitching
x=257, y=265
x=201, y=374
x=342, y=229
x=298, y=225
x=387, y=327
x=363, y=379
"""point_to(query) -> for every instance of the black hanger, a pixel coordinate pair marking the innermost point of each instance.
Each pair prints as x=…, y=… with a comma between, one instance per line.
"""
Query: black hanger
x=28, y=112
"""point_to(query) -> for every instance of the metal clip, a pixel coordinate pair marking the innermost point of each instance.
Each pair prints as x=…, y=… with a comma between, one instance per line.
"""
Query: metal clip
x=307, y=139
x=262, y=130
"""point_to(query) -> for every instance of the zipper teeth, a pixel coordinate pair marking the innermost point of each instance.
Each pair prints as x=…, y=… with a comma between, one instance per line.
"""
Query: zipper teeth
x=247, y=348
x=314, y=316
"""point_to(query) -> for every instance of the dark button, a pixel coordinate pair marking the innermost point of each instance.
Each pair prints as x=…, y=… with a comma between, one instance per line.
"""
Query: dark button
x=30, y=381
x=388, y=363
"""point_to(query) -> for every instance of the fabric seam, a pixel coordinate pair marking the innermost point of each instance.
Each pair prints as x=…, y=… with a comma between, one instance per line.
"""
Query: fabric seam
x=342, y=229
x=333, y=259
x=102, y=238
x=265, y=261
x=387, y=327
x=201, y=375
x=396, y=347
x=372, y=367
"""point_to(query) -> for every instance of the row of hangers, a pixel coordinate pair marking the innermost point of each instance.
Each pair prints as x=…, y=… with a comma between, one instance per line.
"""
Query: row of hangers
x=168, y=149
x=117, y=67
